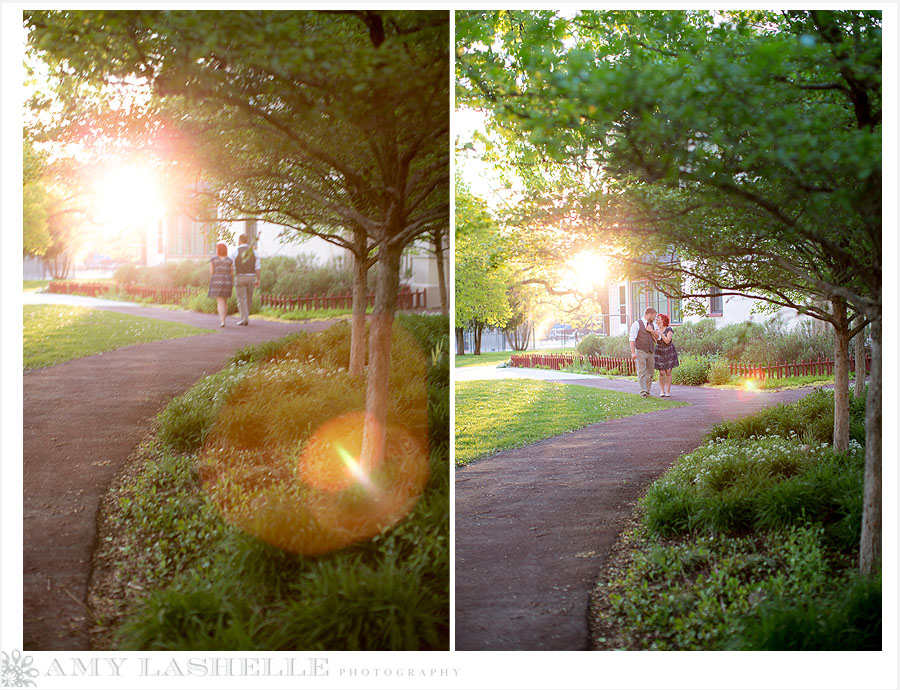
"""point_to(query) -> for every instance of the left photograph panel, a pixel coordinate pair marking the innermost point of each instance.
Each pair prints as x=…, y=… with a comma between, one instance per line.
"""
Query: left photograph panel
x=236, y=341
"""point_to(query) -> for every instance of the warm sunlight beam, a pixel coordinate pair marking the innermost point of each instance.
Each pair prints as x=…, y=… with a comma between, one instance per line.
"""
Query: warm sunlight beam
x=127, y=196
x=588, y=271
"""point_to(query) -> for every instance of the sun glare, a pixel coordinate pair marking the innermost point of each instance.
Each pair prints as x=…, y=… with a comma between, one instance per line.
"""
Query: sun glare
x=127, y=196
x=588, y=270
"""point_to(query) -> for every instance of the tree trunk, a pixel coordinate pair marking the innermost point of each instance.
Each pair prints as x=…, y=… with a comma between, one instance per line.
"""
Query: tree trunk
x=460, y=341
x=479, y=329
x=59, y=265
x=358, y=320
x=442, y=281
x=841, y=375
x=517, y=336
x=870, y=540
x=859, y=354
x=378, y=376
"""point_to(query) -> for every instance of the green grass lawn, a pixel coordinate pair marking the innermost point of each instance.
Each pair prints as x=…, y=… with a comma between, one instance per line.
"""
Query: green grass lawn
x=55, y=334
x=498, y=357
x=34, y=285
x=497, y=415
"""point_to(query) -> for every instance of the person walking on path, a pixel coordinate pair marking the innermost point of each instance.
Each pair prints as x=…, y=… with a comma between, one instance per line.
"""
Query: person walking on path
x=642, y=338
x=246, y=270
x=221, y=271
x=666, y=356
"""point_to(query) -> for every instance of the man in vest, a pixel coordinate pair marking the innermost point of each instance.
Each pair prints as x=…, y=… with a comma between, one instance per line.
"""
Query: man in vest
x=246, y=277
x=643, y=337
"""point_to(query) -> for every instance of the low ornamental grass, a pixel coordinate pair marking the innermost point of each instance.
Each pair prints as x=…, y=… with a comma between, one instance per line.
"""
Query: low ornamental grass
x=750, y=542
x=242, y=537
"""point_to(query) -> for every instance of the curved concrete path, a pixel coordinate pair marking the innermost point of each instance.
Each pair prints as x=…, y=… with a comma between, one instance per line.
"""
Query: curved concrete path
x=82, y=420
x=534, y=525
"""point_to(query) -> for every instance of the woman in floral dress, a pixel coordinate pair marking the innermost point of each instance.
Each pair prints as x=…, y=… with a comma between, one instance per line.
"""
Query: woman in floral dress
x=665, y=357
x=221, y=280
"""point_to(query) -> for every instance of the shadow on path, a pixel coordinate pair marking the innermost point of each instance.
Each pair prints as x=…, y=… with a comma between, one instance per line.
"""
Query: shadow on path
x=534, y=525
x=82, y=419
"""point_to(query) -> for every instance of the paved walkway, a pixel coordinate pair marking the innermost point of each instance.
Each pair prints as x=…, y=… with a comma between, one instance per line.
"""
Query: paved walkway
x=82, y=420
x=534, y=525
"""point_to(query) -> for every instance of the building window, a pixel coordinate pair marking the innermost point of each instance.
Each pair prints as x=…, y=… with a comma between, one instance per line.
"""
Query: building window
x=644, y=295
x=623, y=305
x=715, y=302
x=187, y=238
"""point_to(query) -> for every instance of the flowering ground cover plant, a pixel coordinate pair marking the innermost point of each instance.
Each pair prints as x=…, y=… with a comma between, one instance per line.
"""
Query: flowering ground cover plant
x=748, y=542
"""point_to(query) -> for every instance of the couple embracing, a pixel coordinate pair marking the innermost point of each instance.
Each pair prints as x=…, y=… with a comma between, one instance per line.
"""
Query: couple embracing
x=652, y=348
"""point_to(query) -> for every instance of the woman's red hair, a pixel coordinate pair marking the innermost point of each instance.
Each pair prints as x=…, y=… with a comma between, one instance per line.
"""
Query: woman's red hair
x=221, y=249
x=665, y=319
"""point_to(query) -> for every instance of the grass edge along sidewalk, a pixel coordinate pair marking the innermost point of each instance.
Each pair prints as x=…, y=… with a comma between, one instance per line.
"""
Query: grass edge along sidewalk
x=492, y=416
x=53, y=334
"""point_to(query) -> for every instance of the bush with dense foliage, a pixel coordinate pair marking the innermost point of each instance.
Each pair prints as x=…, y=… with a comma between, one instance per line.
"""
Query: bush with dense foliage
x=719, y=373
x=305, y=275
x=757, y=343
x=604, y=346
x=279, y=275
x=701, y=343
x=186, y=273
x=692, y=370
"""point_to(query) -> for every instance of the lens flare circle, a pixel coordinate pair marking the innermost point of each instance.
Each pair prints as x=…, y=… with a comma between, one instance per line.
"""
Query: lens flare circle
x=331, y=457
x=328, y=500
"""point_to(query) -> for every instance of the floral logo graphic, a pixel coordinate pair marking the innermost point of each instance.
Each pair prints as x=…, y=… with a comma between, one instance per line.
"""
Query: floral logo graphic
x=17, y=671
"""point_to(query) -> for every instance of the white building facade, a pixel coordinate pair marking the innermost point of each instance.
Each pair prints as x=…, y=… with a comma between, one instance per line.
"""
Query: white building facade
x=628, y=300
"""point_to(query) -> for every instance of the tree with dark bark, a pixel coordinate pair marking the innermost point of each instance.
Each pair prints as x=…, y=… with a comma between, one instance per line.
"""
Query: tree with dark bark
x=332, y=123
x=748, y=142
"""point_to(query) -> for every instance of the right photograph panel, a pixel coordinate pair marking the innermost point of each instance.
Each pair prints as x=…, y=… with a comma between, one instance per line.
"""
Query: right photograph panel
x=668, y=330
